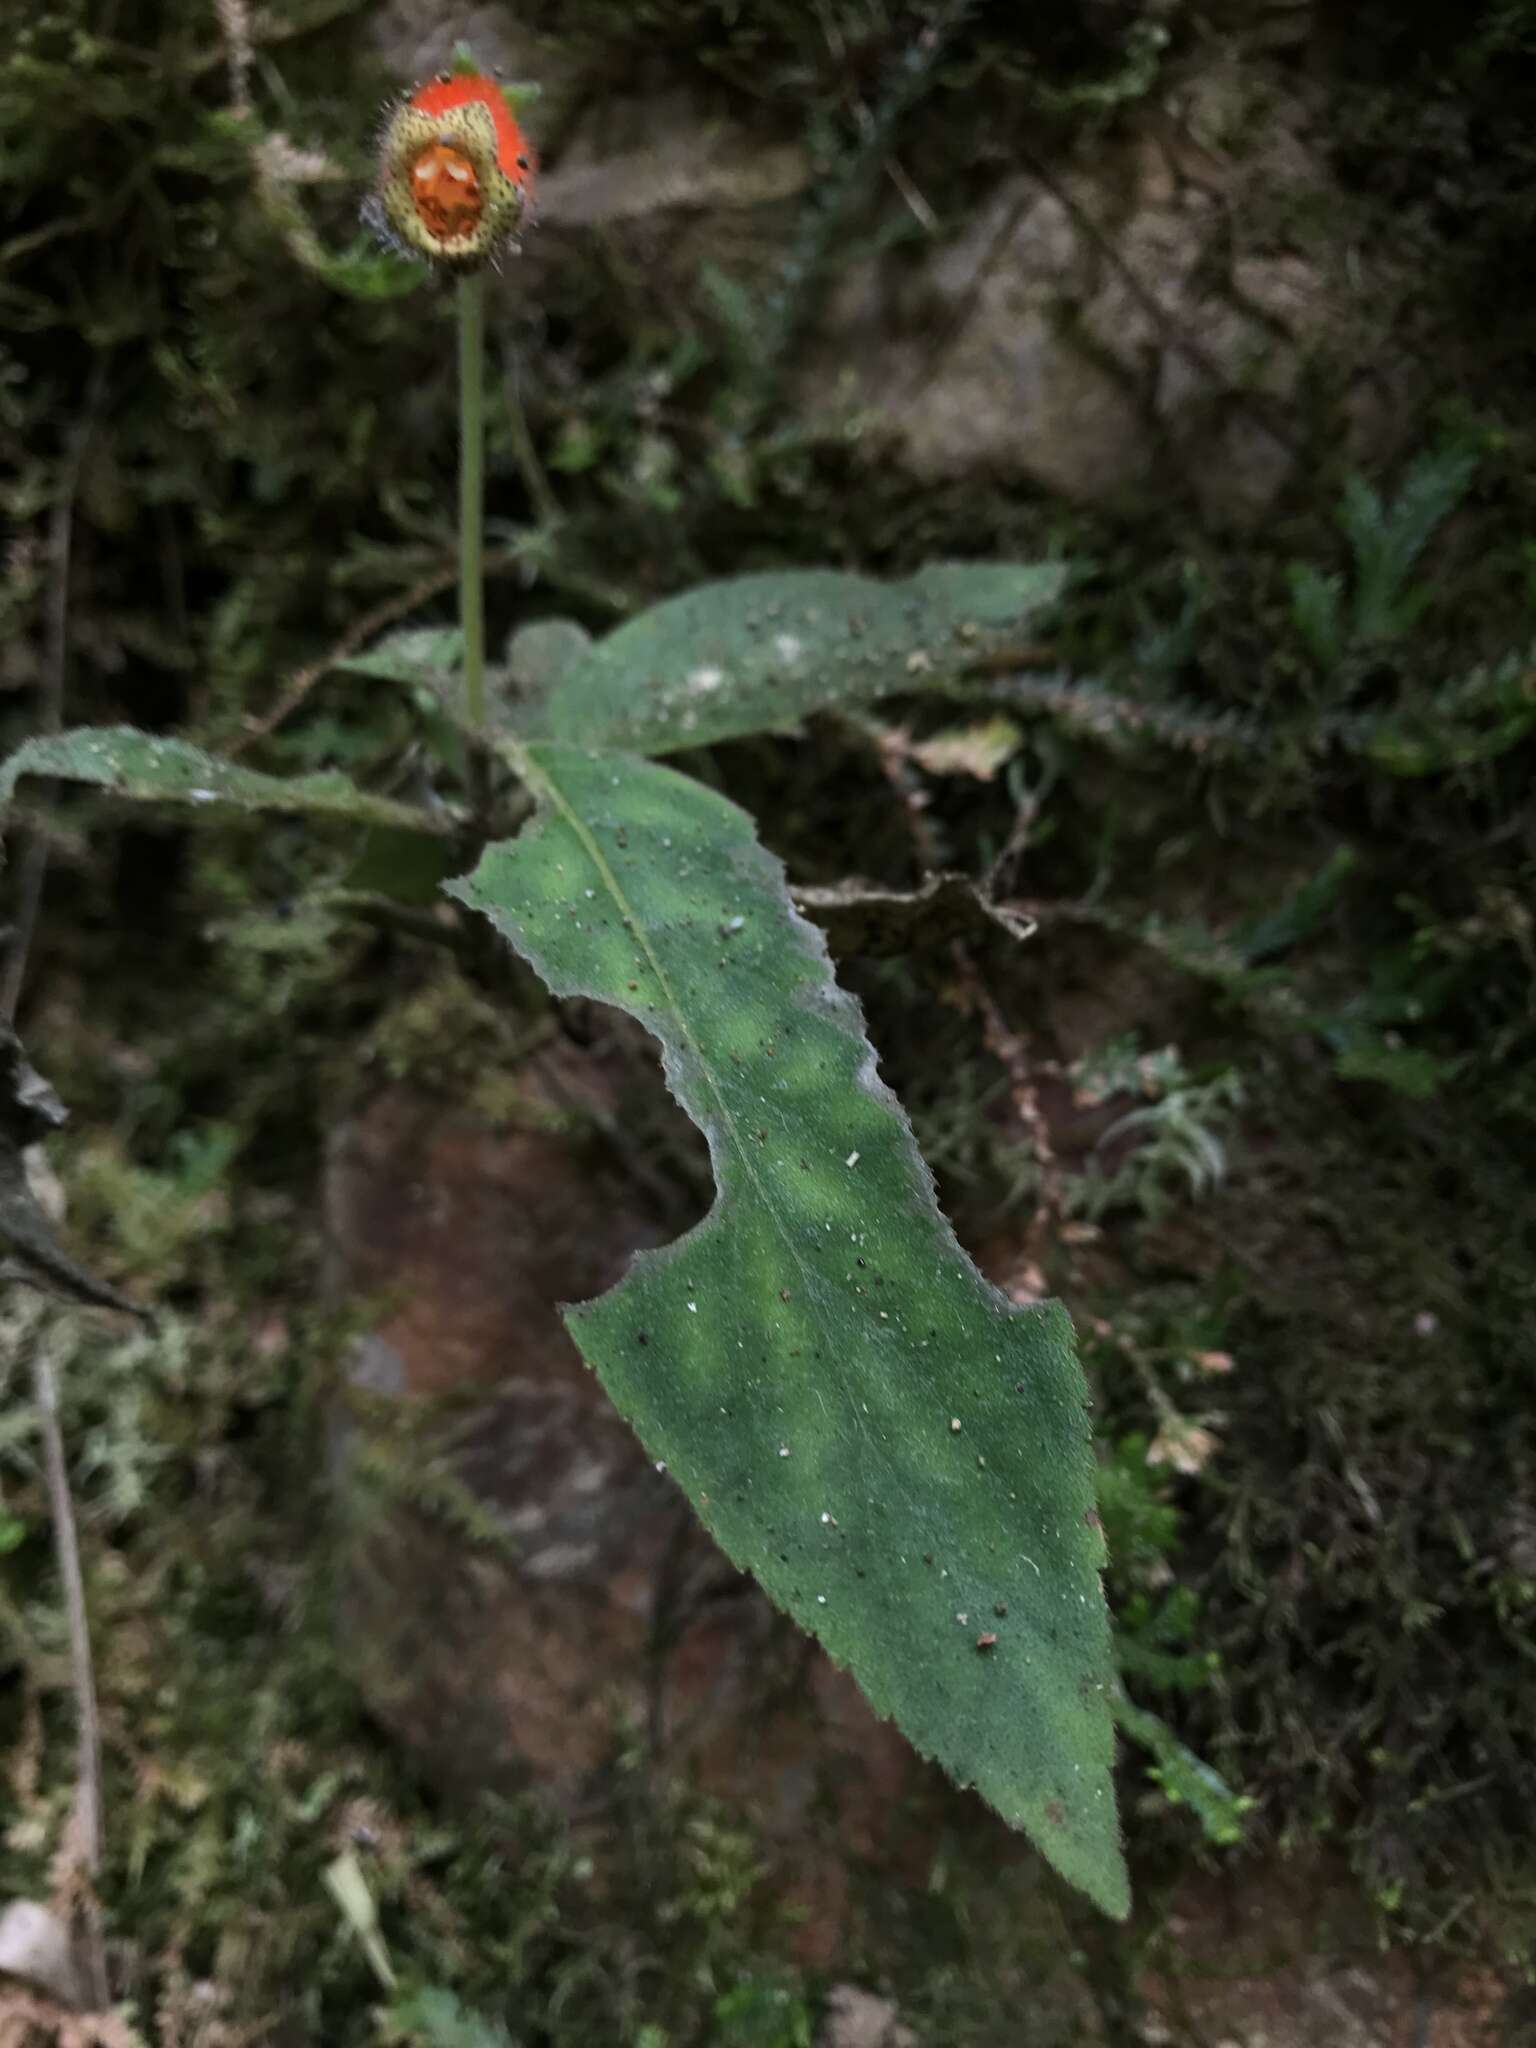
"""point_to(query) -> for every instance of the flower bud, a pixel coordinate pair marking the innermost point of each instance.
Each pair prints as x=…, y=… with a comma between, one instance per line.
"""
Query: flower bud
x=455, y=172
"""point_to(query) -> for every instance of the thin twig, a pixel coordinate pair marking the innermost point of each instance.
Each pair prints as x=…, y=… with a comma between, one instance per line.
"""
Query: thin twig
x=356, y=636
x=535, y=479
x=29, y=899
x=66, y=1539
x=374, y=621
x=813, y=259
x=922, y=212
x=266, y=32
x=34, y=864
x=1007, y=1046
x=1011, y=1050
x=384, y=914
x=235, y=22
x=88, y=1804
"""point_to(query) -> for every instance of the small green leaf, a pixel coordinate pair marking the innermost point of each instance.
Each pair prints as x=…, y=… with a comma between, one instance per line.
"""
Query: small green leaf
x=347, y=1885
x=1185, y=1778
x=543, y=653
x=438, y=2019
x=416, y=654
x=1405, y=1069
x=1296, y=916
x=897, y=1453
x=759, y=653
x=152, y=770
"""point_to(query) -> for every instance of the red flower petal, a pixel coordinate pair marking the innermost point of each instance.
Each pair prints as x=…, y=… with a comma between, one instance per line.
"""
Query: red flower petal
x=514, y=152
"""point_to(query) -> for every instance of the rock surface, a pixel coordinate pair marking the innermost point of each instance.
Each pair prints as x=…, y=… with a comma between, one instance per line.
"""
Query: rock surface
x=1091, y=319
x=858, y=2019
x=37, y=1949
x=1153, y=303
x=1290, y=1957
x=525, y=1592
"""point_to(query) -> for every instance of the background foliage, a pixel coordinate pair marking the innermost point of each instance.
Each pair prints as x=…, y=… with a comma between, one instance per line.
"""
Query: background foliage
x=1279, y=833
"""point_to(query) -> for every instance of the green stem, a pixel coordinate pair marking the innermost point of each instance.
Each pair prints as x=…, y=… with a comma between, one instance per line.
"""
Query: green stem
x=472, y=492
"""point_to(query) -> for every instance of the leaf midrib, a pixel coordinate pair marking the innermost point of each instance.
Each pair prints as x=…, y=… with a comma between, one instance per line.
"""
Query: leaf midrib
x=534, y=772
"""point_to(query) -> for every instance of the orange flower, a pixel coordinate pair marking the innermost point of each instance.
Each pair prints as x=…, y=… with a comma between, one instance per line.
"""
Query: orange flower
x=455, y=171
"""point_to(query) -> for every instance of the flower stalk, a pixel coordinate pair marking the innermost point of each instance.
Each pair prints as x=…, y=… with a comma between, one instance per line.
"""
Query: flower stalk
x=455, y=179
x=472, y=494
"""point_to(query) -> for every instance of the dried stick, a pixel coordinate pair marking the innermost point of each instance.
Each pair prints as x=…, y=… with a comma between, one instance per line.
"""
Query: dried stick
x=1006, y=1045
x=235, y=21
x=88, y=1804
x=363, y=629
x=61, y=1506
x=357, y=636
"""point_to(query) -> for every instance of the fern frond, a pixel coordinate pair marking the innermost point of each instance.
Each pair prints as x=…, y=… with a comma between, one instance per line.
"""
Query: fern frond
x=1388, y=539
x=1317, y=612
x=1121, y=720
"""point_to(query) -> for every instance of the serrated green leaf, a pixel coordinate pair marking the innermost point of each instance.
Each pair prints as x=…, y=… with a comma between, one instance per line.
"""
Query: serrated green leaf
x=897, y=1453
x=759, y=653
x=364, y=271
x=152, y=770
